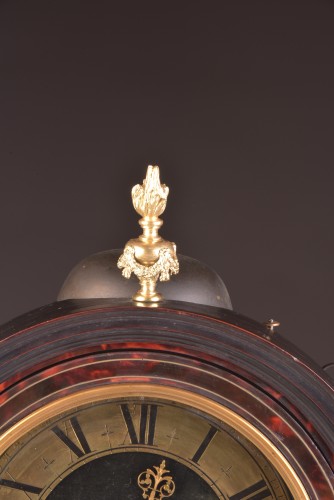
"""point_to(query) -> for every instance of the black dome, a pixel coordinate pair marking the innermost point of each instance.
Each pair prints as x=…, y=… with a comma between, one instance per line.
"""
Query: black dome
x=97, y=276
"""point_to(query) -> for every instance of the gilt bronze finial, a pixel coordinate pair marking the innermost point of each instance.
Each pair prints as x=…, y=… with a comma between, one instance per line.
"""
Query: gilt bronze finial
x=149, y=257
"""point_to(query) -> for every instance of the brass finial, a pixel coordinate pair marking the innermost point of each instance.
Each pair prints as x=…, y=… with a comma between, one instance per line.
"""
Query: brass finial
x=149, y=257
x=156, y=485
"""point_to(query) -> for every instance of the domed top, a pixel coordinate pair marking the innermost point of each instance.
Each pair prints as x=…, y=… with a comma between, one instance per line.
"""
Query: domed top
x=97, y=276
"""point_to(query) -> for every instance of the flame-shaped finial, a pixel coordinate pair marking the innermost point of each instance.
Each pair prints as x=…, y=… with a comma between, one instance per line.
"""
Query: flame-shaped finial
x=149, y=257
x=150, y=198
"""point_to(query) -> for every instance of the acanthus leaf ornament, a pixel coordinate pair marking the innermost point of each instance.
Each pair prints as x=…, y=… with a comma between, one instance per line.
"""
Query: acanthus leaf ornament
x=156, y=485
x=149, y=257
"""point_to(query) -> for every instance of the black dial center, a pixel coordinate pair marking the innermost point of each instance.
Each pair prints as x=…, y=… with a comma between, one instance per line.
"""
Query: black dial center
x=115, y=477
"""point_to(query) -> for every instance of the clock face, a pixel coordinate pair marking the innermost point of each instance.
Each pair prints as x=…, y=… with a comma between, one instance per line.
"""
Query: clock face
x=126, y=403
x=137, y=447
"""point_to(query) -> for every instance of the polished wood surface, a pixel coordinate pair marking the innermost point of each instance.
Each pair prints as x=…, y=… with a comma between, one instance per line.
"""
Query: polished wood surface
x=61, y=348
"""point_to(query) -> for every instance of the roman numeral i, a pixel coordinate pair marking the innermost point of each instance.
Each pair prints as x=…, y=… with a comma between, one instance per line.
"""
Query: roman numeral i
x=204, y=444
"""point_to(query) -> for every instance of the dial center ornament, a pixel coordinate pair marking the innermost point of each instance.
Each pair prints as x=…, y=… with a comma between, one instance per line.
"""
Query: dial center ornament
x=156, y=485
x=149, y=257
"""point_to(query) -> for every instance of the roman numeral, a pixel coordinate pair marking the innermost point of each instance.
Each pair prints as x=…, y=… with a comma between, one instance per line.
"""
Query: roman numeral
x=255, y=492
x=28, y=488
x=148, y=417
x=204, y=444
x=78, y=434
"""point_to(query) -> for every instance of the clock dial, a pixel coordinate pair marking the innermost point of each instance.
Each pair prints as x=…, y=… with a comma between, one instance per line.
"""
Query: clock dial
x=106, y=388
x=126, y=448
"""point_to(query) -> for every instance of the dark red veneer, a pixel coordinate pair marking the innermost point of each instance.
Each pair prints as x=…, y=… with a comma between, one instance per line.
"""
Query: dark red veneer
x=67, y=346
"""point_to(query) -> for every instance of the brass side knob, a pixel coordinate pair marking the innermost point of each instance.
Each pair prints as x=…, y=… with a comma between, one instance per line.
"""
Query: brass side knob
x=271, y=324
x=149, y=256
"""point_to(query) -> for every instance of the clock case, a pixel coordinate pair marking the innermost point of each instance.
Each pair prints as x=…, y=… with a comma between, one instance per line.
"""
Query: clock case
x=74, y=345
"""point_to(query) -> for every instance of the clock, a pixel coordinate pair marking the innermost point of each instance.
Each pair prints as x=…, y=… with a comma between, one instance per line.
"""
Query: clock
x=155, y=398
x=95, y=393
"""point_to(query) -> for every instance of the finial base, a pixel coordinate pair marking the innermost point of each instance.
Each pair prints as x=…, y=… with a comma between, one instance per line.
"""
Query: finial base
x=147, y=292
x=139, y=297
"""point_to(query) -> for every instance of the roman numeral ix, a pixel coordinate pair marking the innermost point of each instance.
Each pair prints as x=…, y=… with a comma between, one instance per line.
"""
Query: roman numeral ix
x=28, y=488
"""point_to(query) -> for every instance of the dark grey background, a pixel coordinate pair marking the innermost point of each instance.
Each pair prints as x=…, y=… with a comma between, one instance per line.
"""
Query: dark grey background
x=232, y=99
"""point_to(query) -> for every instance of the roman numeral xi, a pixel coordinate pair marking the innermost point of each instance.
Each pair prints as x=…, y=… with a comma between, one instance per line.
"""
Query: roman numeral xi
x=78, y=434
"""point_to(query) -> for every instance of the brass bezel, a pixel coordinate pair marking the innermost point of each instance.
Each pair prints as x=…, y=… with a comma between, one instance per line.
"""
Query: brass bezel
x=182, y=396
